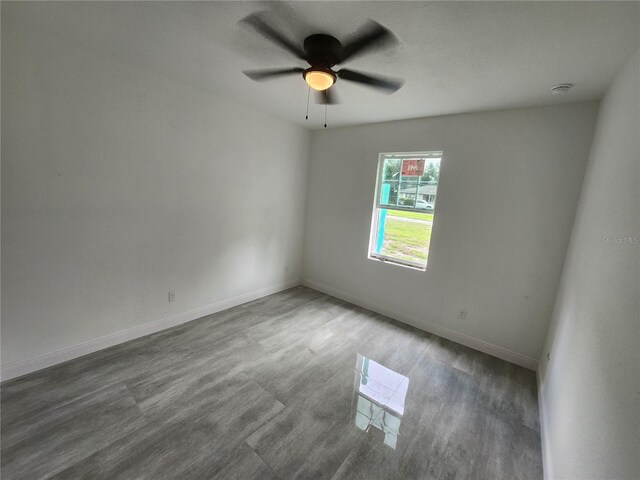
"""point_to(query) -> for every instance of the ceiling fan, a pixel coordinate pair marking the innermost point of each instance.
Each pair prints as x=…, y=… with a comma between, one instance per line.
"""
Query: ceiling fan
x=322, y=52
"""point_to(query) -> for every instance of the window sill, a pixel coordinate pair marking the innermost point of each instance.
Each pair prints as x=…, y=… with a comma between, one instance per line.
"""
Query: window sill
x=399, y=263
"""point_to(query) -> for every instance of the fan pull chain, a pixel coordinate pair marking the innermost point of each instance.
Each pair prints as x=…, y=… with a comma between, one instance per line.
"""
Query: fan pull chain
x=308, y=95
x=326, y=102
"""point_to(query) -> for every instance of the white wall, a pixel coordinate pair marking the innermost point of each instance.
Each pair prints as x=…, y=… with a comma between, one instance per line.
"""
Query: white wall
x=590, y=389
x=119, y=184
x=508, y=191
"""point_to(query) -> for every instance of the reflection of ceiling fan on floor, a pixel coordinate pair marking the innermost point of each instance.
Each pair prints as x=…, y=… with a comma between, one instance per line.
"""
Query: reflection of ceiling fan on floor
x=322, y=52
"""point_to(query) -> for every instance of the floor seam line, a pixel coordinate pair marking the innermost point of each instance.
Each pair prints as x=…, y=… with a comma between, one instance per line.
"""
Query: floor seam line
x=260, y=457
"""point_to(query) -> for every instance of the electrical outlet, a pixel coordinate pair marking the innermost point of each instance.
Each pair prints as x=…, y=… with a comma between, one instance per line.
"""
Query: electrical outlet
x=172, y=296
x=462, y=314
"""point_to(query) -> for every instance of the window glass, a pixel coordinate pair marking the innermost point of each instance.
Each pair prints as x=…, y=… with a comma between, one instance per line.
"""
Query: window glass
x=406, y=194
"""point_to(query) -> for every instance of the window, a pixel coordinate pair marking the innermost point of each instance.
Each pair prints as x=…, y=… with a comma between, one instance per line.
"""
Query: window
x=405, y=202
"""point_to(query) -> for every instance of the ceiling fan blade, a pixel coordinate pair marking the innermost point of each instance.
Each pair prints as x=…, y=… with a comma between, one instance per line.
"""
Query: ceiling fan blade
x=269, y=73
x=257, y=21
x=372, y=35
x=293, y=19
x=389, y=84
x=327, y=97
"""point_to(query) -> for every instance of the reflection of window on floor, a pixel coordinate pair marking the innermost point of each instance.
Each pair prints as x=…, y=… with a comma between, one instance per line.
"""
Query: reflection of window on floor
x=380, y=399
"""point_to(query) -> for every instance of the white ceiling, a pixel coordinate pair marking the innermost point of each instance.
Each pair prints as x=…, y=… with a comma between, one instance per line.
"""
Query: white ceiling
x=455, y=56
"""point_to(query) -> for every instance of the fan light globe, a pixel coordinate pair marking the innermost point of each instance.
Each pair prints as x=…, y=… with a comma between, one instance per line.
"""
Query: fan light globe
x=319, y=80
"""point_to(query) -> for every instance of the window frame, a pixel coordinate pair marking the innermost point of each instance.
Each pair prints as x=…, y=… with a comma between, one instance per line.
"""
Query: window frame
x=375, y=215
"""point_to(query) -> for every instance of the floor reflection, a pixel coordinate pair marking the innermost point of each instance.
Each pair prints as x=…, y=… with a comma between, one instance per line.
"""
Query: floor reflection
x=379, y=396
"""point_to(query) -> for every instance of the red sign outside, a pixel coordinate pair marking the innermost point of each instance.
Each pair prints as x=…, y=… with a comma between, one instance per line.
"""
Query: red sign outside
x=412, y=168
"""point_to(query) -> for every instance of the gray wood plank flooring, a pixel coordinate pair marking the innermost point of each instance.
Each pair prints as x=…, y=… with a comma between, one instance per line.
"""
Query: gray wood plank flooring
x=293, y=385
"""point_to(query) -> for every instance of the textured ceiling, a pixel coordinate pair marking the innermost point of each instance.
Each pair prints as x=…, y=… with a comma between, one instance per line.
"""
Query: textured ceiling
x=455, y=56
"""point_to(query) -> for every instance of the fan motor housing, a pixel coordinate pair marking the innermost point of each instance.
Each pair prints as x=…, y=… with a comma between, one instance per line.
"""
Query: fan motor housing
x=322, y=50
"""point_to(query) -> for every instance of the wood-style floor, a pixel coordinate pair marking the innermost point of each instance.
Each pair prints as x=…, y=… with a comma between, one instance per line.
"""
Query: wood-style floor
x=294, y=385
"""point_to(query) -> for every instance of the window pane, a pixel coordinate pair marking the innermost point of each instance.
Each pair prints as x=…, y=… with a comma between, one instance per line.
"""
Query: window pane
x=388, y=193
x=407, y=195
x=410, y=182
x=429, y=185
x=404, y=235
x=391, y=169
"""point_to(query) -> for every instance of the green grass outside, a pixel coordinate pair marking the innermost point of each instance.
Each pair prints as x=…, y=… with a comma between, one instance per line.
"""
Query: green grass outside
x=407, y=240
x=414, y=215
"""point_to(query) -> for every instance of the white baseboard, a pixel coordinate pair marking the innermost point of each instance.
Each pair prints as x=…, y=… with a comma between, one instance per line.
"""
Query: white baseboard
x=47, y=360
x=471, y=342
x=546, y=452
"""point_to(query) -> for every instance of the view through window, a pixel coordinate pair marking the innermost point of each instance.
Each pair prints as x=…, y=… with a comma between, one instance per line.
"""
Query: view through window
x=406, y=193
